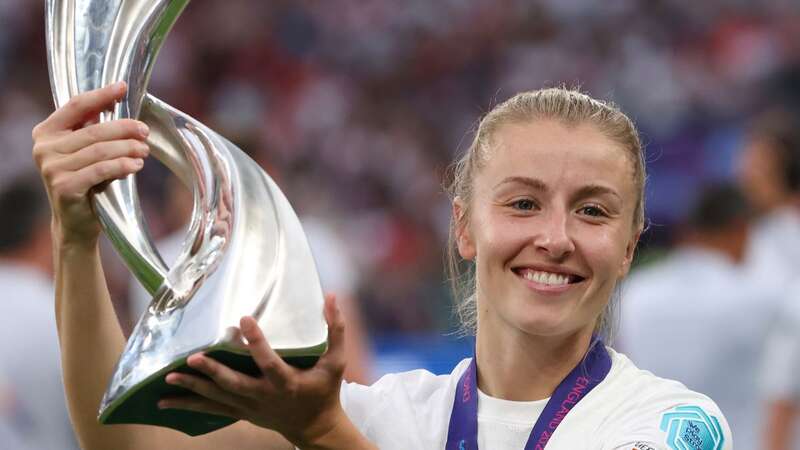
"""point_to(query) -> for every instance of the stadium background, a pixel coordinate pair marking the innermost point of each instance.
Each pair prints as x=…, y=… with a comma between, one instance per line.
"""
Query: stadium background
x=356, y=107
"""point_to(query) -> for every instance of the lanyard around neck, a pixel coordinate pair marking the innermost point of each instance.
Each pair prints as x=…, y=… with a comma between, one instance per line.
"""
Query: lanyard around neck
x=462, y=433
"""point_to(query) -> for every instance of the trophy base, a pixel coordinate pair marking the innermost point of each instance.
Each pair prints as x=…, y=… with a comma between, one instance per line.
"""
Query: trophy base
x=139, y=404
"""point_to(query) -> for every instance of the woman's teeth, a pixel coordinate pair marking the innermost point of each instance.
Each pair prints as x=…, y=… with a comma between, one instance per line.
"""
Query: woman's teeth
x=553, y=279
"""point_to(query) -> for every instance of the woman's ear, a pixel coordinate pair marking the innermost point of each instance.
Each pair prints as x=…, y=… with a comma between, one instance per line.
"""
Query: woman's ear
x=630, y=251
x=464, y=242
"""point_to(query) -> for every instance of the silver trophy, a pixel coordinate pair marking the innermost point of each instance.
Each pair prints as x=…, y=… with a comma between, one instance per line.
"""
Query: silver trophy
x=245, y=252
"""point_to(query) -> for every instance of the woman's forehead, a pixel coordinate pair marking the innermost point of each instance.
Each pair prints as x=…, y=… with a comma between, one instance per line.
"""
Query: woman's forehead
x=557, y=154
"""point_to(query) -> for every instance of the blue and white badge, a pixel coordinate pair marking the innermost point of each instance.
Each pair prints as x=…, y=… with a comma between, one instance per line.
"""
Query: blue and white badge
x=691, y=428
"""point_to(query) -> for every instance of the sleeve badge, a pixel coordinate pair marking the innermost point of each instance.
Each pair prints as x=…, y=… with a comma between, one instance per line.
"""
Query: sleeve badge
x=691, y=428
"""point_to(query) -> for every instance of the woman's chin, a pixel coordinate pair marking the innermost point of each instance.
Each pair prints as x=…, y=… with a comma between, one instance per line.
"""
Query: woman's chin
x=543, y=326
x=548, y=322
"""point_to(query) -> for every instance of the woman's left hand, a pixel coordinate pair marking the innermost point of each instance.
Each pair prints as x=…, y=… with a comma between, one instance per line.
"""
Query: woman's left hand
x=301, y=404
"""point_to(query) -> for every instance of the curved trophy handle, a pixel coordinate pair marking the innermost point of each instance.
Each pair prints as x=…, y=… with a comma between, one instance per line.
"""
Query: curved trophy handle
x=83, y=32
x=245, y=252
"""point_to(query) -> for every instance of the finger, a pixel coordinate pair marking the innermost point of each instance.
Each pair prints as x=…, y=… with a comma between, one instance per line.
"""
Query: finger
x=270, y=363
x=91, y=120
x=229, y=380
x=80, y=107
x=88, y=177
x=95, y=153
x=334, y=357
x=206, y=389
x=198, y=404
x=98, y=133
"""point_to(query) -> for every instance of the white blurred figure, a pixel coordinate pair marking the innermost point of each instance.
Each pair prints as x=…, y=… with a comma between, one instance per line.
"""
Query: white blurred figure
x=32, y=407
x=337, y=275
x=694, y=317
x=779, y=379
x=769, y=171
x=9, y=436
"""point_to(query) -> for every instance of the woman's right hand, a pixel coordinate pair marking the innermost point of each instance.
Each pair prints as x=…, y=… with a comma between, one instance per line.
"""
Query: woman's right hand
x=301, y=404
x=74, y=157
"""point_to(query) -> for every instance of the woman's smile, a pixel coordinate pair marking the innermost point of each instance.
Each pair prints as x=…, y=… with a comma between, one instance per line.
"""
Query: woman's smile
x=548, y=281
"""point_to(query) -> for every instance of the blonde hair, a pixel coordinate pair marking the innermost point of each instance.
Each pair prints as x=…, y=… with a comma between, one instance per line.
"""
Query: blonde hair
x=568, y=106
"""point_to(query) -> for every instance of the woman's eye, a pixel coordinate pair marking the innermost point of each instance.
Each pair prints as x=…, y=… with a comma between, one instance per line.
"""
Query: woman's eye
x=592, y=211
x=524, y=205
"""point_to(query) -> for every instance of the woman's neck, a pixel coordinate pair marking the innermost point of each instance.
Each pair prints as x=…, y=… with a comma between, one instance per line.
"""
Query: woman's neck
x=513, y=365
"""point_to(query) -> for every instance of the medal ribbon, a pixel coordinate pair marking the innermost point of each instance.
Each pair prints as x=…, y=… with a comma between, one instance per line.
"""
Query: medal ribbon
x=462, y=433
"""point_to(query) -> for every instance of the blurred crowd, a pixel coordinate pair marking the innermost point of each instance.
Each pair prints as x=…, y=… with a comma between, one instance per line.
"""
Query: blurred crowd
x=357, y=107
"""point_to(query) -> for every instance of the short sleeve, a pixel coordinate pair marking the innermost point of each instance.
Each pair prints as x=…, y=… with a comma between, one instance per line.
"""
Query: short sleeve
x=362, y=403
x=693, y=425
x=382, y=413
x=406, y=410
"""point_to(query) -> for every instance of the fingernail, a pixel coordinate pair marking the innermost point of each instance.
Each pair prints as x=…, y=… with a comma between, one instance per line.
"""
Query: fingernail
x=144, y=130
x=163, y=405
x=138, y=162
x=119, y=86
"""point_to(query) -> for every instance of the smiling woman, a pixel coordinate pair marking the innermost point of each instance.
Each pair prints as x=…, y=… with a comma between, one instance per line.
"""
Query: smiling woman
x=577, y=224
x=547, y=210
x=563, y=126
x=548, y=206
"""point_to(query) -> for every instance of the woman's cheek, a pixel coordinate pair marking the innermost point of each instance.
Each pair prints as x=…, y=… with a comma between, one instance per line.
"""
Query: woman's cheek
x=506, y=233
x=604, y=249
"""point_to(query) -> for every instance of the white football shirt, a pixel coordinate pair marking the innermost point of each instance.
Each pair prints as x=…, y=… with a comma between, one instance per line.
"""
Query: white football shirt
x=630, y=409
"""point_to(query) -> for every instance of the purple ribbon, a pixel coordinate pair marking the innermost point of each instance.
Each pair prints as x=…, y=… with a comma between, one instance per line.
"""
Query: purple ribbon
x=462, y=433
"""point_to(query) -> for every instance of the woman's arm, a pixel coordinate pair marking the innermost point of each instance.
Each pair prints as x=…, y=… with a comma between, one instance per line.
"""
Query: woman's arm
x=72, y=160
x=91, y=342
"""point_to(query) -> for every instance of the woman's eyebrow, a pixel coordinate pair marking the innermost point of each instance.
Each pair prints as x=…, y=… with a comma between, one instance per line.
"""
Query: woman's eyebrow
x=588, y=190
x=596, y=190
x=534, y=183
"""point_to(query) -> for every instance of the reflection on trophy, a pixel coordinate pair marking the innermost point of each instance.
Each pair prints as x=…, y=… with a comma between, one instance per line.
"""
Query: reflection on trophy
x=245, y=252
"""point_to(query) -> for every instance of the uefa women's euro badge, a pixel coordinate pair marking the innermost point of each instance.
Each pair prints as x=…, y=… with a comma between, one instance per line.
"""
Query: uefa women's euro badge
x=245, y=252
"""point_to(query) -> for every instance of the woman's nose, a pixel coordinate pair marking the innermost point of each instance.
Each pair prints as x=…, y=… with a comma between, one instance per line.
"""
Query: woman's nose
x=553, y=236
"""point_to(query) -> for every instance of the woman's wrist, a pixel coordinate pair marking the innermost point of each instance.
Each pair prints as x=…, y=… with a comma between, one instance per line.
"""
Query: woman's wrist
x=65, y=241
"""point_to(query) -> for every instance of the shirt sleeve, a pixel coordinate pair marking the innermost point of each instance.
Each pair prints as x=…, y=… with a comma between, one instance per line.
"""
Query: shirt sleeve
x=382, y=413
x=691, y=423
x=361, y=402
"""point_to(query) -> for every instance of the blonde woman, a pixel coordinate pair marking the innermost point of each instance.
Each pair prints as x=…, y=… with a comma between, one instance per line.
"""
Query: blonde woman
x=547, y=210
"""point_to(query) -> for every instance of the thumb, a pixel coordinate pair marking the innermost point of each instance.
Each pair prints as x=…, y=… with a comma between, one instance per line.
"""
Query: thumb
x=334, y=357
